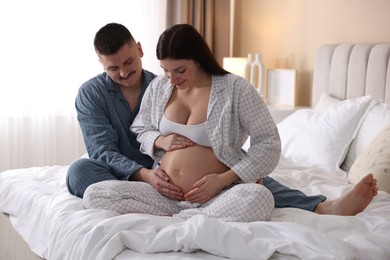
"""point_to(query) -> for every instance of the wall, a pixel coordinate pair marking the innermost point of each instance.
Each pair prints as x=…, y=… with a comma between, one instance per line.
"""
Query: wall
x=288, y=32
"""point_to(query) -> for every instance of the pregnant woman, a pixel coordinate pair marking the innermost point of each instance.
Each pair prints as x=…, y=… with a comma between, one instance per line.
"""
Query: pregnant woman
x=194, y=121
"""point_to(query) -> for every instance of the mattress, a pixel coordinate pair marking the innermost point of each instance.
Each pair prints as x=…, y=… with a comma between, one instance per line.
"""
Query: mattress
x=55, y=224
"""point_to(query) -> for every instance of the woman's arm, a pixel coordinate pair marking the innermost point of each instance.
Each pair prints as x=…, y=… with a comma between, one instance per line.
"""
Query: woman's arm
x=238, y=112
x=145, y=125
x=264, y=151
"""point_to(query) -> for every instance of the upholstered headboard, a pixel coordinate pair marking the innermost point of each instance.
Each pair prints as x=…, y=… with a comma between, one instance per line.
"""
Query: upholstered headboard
x=346, y=71
x=352, y=70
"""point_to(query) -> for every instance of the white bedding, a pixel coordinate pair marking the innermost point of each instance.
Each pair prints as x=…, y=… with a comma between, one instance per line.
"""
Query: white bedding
x=56, y=225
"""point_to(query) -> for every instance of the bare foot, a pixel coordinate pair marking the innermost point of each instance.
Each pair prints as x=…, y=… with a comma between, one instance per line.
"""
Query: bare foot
x=352, y=202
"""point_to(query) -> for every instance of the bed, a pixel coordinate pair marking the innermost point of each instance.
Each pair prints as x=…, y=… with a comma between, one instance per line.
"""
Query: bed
x=325, y=150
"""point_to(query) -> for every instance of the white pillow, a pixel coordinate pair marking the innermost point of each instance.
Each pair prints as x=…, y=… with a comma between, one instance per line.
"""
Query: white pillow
x=326, y=101
x=321, y=138
x=377, y=118
x=374, y=159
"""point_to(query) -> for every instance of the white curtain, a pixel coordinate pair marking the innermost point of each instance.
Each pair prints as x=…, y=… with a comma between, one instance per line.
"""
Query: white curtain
x=47, y=53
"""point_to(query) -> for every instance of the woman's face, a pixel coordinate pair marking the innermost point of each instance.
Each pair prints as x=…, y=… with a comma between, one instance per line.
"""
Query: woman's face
x=181, y=73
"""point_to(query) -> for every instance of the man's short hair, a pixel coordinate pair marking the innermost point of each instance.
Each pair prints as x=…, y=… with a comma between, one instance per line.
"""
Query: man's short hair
x=110, y=38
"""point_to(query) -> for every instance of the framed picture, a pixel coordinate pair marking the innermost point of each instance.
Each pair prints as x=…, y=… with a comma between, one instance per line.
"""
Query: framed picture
x=281, y=87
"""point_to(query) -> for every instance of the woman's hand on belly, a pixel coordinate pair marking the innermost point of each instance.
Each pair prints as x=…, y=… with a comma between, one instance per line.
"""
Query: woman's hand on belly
x=172, y=142
x=206, y=188
x=210, y=186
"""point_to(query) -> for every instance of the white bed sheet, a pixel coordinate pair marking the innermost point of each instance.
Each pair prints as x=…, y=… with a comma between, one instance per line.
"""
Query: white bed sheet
x=56, y=225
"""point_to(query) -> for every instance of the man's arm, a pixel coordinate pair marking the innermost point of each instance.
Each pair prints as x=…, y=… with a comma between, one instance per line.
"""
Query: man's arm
x=101, y=138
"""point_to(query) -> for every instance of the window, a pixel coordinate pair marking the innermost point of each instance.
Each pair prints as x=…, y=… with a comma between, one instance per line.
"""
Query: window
x=47, y=47
x=46, y=54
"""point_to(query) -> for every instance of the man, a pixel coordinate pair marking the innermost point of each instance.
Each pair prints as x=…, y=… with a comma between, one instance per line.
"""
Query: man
x=107, y=105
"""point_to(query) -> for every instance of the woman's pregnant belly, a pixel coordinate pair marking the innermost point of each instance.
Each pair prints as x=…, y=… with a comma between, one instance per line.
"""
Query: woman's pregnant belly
x=187, y=166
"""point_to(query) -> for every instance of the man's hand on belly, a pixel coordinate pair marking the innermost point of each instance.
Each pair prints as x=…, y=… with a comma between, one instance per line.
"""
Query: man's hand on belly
x=159, y=180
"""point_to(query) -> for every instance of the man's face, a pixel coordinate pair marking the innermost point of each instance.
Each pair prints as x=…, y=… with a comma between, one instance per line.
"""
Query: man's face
x=124, y=67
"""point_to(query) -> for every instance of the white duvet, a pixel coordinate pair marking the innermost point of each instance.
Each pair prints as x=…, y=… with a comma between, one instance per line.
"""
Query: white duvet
x=56, y=225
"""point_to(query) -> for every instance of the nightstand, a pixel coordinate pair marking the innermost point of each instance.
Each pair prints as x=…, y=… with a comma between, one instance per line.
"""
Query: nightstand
x=280, y=112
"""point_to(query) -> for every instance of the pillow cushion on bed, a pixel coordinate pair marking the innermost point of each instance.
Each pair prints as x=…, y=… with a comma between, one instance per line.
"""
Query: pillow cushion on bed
x=326, y=101
x=375, y=159
x=377, y=118
x=321, y=138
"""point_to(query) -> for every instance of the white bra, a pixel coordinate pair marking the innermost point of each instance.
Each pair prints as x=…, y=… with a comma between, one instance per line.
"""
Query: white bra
x=196, y=133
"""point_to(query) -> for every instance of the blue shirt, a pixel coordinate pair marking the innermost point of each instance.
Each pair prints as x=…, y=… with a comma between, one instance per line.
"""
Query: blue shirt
x=105, y=118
